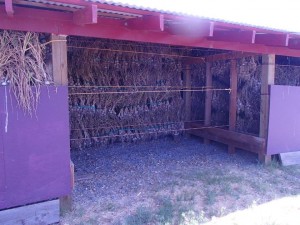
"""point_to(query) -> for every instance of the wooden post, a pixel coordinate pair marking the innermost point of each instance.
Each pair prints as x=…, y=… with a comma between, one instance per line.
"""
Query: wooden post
x=208, y=98
x=233, y=100
x=60, y=77
x=59, y=59
x=187, y=94
x=268, y=78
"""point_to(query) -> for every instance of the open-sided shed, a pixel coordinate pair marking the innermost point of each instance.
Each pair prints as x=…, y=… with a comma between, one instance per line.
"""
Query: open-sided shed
x=33, y=168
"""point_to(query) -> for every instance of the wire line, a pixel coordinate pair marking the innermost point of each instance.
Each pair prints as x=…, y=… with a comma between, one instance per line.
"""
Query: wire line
x=153, y=132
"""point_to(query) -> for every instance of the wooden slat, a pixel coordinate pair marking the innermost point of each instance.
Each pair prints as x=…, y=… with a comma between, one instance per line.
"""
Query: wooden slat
x=233, y=100
x=59, y=59
x=187, y=94
x=228, y=56
x=36, y=214
x=208, y=98
x=268, y=78
x=238, y=140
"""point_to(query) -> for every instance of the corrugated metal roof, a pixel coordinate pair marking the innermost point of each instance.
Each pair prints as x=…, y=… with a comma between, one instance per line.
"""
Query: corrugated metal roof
x=268, y=14
x=56, y=4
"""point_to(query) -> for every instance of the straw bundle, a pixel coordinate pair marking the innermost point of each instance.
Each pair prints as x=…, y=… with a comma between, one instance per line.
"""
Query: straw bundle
x=22, y=67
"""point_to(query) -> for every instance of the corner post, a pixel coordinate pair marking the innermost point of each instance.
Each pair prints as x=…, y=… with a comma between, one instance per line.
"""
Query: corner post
x=187, y=92
x=208, y=98
x=60, y=77
x=233, y=100
x=268, y=78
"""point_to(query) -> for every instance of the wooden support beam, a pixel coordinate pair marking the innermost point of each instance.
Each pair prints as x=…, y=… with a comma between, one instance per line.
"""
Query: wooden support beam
x=187, y=94
x=88, y=15
x=9, y=8
x=59, y=59
x=228, y=56
x=238, y=140
x=233, y=100
x=272, y=39
x=192, y=28
x=35, y=214
x=152, y=23
x=268, y=78
x=208, y=98
x=247, y=37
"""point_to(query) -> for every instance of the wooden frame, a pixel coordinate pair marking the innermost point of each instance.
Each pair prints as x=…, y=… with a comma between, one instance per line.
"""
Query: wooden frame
x=231, y=138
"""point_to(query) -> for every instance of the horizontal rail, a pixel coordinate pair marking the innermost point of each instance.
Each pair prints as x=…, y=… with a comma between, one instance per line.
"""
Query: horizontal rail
x=238, y=140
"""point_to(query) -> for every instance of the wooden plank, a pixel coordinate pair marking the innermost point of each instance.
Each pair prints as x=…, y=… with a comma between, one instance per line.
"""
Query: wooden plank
x=233, y=100
x=290, y=158
x=228, y=56
x=9, y=8
x=191, y=27
x=241, y=36
x=187, y=94
x=88, y=15
x=272, y=39
x=208, y=98
x=59, y=59
x=36, y=214
x=153, y=23
x=238, y=140
x=268, y=78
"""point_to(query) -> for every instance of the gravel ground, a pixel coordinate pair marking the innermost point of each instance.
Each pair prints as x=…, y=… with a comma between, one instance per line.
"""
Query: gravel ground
x=157, y=182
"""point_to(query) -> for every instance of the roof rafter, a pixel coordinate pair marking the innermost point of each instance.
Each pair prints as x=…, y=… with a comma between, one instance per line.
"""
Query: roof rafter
x=88, y=15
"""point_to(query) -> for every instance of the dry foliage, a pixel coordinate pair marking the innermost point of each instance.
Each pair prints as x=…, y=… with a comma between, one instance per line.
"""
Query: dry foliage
x=123, y=117
x=22, y=67
x=248, y=102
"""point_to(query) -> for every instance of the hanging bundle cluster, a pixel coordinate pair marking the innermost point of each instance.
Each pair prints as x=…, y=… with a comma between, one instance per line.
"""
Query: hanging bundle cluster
x=22, y=67
x=114, y=71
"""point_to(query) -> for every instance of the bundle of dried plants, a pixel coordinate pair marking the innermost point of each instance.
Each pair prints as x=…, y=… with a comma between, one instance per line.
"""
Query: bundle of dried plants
x=22, y=67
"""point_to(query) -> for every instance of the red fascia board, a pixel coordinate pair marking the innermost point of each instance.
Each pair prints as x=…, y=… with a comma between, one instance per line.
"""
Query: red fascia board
x=294, y=43
x=27, y=19
x=153, y=23
x=272, y=39
x=192, y=28
x=246, y=37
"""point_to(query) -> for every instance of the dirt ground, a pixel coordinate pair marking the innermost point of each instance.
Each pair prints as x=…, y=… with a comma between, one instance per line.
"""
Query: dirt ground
x=180, y=182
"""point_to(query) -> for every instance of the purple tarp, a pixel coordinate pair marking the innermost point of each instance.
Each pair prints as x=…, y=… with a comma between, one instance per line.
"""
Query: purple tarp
x=284, y=120
x=34, y=152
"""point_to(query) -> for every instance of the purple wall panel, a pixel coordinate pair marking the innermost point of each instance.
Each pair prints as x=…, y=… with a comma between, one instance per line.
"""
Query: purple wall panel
x=284, y=120
x=2, y=163
x=36, y=149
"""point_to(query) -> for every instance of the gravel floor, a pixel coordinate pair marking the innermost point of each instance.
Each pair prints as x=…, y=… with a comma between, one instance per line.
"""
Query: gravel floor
x=113, y=182
x=132, y=168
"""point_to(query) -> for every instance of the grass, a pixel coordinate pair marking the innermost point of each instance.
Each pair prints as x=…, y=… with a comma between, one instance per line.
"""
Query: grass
x=141, y=216
x=212, y=194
